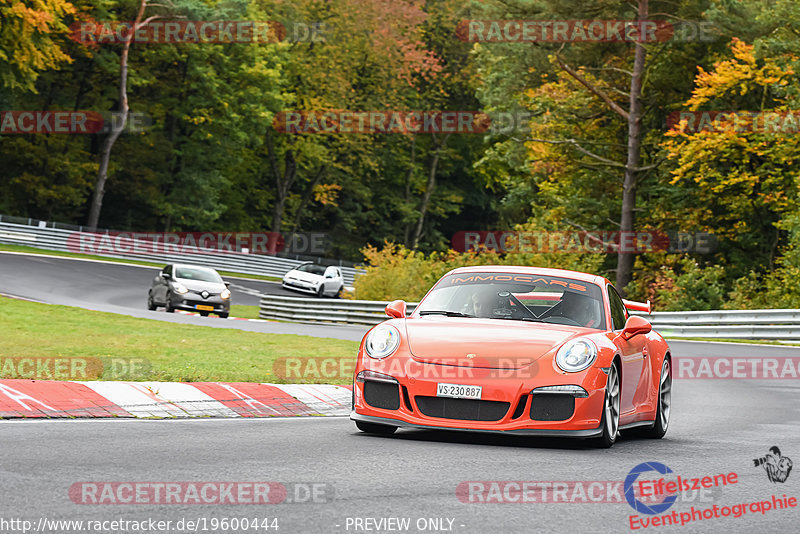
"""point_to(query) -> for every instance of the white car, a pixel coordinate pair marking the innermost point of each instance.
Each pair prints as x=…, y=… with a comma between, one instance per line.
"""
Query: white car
x=315, y=279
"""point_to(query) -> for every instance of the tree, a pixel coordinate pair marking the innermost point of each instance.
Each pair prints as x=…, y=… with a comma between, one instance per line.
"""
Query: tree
x=29, y=40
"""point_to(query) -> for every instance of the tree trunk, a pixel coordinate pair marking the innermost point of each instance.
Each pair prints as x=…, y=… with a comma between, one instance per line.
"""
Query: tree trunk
x=409, y=177
x=283, y=184
x=298, y=216
x=426, y=197
x=108, y=144
x=626, y=226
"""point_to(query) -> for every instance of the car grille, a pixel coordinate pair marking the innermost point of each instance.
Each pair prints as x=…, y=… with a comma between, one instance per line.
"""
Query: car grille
x=465, y=409
x=382, y=395
x=552, y=407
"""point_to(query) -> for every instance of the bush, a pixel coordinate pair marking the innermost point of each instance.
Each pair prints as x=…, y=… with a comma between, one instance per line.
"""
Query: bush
x=395, y=272
x=681, y=285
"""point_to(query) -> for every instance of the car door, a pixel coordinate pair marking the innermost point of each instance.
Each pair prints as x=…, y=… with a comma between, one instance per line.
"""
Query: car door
x=162, y=284
x=339, y=280
x=331, y=281
x=631, y=352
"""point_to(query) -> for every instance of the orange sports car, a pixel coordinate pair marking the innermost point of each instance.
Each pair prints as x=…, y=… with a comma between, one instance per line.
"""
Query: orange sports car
x=520, y=350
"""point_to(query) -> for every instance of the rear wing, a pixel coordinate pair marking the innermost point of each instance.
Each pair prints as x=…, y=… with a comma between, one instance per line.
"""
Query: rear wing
x=638, y=306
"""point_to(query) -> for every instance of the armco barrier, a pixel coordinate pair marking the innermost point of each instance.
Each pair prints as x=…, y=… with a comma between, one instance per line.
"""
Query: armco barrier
x=724, y=324
x=45, y=235
x=314, y=310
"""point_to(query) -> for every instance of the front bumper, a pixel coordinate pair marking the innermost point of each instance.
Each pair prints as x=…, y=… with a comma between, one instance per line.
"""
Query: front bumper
x=591, y=433
x=190, y=302
x=299, y=285
x=509, y=401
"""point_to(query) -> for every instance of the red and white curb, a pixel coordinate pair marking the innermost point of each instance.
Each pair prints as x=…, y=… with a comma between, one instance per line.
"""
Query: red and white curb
x=53, y=398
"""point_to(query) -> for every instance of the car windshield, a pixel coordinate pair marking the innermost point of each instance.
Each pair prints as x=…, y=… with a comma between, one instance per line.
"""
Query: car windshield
x=312, y=268
x=197, y=273
x=520, y=297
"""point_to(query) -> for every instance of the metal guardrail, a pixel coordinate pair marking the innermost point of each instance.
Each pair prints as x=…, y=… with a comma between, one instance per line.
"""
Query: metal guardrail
x=38, y=234
x=315, y=310
x=723, y=324
x=781, y=325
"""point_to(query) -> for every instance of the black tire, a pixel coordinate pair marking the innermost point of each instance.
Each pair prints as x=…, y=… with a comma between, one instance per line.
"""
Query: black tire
x=204, y=313
x=375, y=428
x=321, y=291
x=168, y=304
x=610, y=427
x=150, y=304
x=339, y=293
x=223, y=315
x=664, y=406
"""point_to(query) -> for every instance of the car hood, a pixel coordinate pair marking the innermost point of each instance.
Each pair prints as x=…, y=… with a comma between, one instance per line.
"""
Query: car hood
x=197, y=285
x=306, y=277
x=484, y=343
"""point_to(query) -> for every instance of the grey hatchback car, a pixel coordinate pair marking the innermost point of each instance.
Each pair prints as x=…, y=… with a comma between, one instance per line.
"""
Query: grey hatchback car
x=192, y=288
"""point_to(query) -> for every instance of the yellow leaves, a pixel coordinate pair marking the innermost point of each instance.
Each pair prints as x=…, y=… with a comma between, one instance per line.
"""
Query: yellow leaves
x=740, y=75
x=327, y=194
x=26, y=38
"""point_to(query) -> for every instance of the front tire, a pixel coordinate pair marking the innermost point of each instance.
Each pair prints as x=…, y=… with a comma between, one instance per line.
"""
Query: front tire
x=168, y=305
x=223, y=315
x=321, y=291
x=375, y=428
x=664, y=403
x=610, y=419
x=150, y=304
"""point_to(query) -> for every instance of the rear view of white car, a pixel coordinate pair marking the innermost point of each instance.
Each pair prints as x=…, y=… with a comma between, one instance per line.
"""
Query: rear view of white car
x=315, y=279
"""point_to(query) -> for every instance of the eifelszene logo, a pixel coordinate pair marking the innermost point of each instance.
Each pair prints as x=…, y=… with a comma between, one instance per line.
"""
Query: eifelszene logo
x=630, y=492
x=777, y=467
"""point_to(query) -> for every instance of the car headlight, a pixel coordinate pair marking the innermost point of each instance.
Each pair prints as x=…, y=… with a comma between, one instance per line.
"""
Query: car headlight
x=576, y=355
x=179, y=288
x=382, y=341
x=226, y=294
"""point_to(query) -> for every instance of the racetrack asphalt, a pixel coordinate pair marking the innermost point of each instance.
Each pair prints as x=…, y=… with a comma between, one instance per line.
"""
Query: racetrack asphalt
x=122, y=288
x=718, y=427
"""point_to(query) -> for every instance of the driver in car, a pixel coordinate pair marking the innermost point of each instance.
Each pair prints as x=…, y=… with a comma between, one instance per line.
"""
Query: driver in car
x=484, y=303
x=578, y=308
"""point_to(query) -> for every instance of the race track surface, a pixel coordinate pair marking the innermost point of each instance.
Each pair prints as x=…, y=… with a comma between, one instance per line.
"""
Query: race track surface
x=718, y=426
x=120, y=288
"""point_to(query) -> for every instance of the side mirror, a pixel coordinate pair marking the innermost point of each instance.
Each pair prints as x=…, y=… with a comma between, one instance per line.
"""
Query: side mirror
x=636, y=325
x=227, y=284
x=166, y=276
x=396, y=309
x=329, y=275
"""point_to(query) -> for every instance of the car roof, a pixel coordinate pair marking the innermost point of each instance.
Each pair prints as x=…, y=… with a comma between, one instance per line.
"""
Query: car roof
x=542, y=271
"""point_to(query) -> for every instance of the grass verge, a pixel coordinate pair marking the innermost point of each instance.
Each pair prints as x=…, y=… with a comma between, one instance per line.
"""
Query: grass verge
x=162, y=351
x=245, y=312
x=32, y=250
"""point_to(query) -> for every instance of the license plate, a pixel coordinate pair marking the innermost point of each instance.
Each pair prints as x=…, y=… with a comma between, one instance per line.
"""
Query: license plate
x=458, y=391
x=204, y=308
